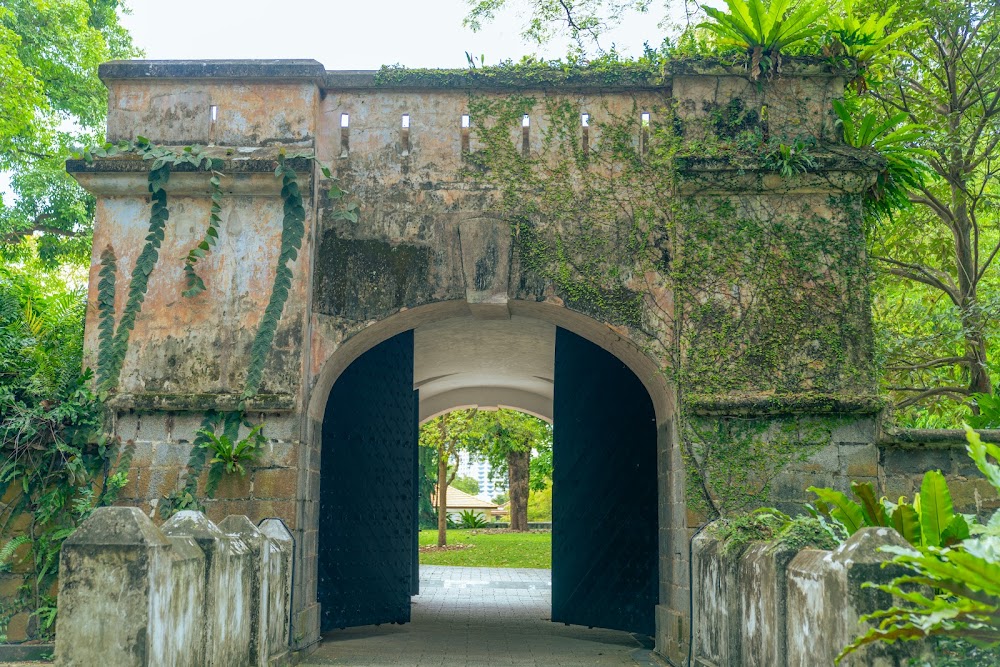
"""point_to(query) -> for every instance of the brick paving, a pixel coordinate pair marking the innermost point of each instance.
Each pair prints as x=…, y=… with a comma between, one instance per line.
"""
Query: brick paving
x=478, y=617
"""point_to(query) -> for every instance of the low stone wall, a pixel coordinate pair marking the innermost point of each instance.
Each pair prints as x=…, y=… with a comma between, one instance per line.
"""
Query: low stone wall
x=191, y=593
x=773, y=606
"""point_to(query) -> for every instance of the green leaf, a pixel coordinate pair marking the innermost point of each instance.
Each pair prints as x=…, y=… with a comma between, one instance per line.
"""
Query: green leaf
x=844, y=510
x=870, y=506
x=935, y=508
x=906, y=522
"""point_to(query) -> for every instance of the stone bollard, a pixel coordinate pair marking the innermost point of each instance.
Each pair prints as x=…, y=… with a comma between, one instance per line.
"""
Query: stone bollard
x=826, y=601
x=178, y=627
x=239, y=526
x=763, y=588
x=276, y=590
x=226, y=613
x=716, y=602
x=114, y=572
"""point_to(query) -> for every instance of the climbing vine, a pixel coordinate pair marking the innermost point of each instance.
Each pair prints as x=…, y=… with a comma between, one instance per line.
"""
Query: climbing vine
x=113, y=341
x=756, y=294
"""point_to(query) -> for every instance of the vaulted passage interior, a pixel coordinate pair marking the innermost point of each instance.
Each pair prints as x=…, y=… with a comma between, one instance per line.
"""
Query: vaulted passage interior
x=605, y=517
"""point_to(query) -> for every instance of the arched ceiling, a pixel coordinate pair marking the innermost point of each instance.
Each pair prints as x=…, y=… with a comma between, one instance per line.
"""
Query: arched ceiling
x=470, y=362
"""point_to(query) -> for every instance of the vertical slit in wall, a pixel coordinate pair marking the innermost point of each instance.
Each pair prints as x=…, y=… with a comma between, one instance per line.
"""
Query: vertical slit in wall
x=585, y=127
x=466, y=125
x=644, y=132
x=404, y=134
x=213, y=113
x=345, y=122
x=525, y=135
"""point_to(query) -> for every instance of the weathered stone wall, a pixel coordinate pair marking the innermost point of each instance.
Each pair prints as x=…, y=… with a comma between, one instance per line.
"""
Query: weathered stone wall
x=430, y=245
x=905, y=455
x=192, y=594
x=768, y=605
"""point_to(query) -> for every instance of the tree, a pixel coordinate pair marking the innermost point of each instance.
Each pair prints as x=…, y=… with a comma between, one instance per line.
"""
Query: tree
x=506, y=439
x=466, y=484
x=940, y=295
x=583, y=21
x=50, y=100
x=446, y=436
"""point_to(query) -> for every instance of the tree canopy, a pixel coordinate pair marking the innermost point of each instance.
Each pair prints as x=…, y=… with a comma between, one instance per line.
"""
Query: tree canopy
x=52, y=100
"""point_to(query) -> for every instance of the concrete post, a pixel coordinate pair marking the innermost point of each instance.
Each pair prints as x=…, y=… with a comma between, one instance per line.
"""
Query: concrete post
x=227, y=588
x=276, y=590
x=237, y=525
x=826, y=601
x=113, y=575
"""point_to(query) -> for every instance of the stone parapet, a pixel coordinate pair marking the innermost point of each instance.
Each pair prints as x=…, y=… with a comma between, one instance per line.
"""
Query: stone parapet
x=132, y=595
x=769, y=604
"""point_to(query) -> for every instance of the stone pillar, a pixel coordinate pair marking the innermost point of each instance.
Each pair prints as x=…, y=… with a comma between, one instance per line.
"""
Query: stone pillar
x=826, y=601
x=227, y=588
x=178, y=626
x=763, y=587
x=715, y=586
x=276, y=590
x=239, y=526
x=114, y=571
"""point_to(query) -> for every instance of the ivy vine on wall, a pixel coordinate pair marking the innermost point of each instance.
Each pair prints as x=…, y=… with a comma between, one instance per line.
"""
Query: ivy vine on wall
x=752, y=292
x=113, y=340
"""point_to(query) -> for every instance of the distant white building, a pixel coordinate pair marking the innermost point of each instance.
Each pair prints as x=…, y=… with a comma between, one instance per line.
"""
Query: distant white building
x=479, y=471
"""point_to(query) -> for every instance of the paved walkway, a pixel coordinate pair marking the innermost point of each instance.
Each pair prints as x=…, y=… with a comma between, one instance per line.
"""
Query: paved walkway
x=478, y=617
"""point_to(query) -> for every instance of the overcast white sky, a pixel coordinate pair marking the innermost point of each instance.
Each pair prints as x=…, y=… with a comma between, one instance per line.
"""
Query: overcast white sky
x=348, y=34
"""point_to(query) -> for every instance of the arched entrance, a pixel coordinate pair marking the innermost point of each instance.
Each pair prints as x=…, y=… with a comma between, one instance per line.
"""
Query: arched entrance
x=606, y=521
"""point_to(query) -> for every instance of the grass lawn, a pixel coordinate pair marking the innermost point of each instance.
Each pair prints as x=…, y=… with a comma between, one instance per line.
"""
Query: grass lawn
x=532, y=549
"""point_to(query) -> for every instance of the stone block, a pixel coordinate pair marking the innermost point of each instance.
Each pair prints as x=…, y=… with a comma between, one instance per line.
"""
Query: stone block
x=276, y=589
x=716, y=602
x=273, y=509
x=284, y=454
x=227, y=587
x=825, y=602
x=234, y=486
x=763, y=604
x=859, y=460
x=177, y=630
x=910, y=460
x=276, y=483
x=239, y=526
x=119, y=550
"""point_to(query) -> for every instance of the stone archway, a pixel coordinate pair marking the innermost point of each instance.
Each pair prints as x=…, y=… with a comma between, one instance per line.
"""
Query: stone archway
x=464, y=360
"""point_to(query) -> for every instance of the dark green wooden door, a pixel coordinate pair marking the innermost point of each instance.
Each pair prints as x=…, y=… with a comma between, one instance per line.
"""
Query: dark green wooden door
x=367, y=539
x=604, y=503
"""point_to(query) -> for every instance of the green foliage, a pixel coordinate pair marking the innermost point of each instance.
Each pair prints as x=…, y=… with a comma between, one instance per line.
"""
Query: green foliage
x=471, y=519
x=894, y=140
x=929, y=520
x=806, y=532
x=731, y=464
x=49, y=53
x=866, y=41
x=765, y=27
x=739, y=531
x=540, y=503
x=292, y=230
x=790, y=159
x=466, y=484
x=233, y=455
x=961, y=594
x=56, y=466
x=495, y=434
x=989, y=411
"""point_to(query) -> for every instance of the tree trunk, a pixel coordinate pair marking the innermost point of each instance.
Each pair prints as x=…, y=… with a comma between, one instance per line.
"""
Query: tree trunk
x=518, y=469
x=442, y=497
